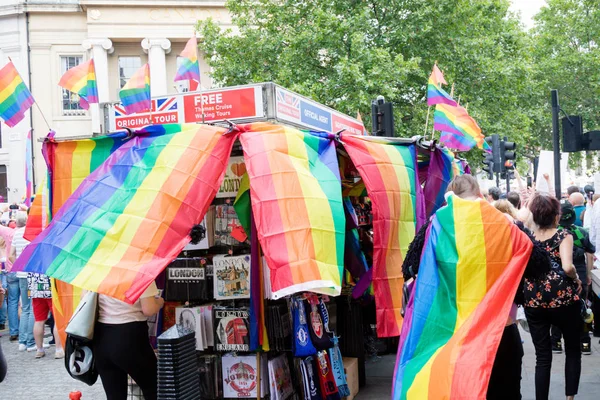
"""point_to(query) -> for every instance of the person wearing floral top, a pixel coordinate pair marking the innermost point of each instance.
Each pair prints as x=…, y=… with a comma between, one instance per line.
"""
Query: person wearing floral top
x=554, y=299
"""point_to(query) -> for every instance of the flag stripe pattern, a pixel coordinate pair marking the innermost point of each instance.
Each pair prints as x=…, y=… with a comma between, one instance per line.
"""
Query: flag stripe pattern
x=133, y=214
x=82, y=80
x=471, y=266
x=15, y=97
x=187, y=62
x=135, y=95
x=297, y=204
x=435, y=93
x=389, y=171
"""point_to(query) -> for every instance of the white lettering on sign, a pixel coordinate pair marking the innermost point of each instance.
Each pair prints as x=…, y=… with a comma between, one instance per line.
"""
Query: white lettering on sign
x=186, y=274
x=313, y=115
x=214, y=98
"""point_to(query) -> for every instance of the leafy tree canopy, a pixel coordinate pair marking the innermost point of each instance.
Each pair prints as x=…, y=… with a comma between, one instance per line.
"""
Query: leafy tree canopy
x=344, y=53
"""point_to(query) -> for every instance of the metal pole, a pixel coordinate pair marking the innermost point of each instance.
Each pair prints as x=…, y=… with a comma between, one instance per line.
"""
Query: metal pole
x=507, y=181
x=556, y=140
x=498, y=180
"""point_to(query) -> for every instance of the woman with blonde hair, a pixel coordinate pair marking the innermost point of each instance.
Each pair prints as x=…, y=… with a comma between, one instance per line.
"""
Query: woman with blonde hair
x=506, y=207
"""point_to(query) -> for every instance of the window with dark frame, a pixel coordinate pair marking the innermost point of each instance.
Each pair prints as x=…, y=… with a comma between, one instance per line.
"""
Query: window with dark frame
x=70, y=100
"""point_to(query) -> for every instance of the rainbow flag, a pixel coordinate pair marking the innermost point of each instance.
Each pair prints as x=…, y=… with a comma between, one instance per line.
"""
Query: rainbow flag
x=460, y=130
x=135, y=95
x=82, y=80
x=15, y=98
x=471, y=266
x=389, y=170
x=132, y=216
x=365, y=132
x=39, y=212
x=297, y=205
x=435, y=93
x=439, y=176
x=28, y=171
x=187, y=63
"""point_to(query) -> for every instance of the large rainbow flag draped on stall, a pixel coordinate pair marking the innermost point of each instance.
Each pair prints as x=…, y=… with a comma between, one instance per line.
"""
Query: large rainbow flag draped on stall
x=470, y=269
x=435, y=93
x=135, y=95
x=133, y=214
x=297, y=204
x=15, y=97
x=389, y=171
x=82, y=80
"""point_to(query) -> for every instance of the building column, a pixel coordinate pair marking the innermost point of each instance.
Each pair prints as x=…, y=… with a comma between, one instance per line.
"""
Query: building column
x=100, y=49
x=157, y=49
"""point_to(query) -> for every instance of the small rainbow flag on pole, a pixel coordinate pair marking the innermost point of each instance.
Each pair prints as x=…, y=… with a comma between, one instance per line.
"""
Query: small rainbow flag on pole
x=460, y=130
x=471, y=266
x=82, y=80
x=435, y=93
x=15, y=98
x=135, y=95
x=388, y=168
x=187, y=63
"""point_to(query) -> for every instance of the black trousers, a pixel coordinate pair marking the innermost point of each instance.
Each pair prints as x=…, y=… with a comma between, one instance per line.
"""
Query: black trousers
x=122, y=350
x=505, y=381
x=568, y=319
x=596, y=311
x=585, y=331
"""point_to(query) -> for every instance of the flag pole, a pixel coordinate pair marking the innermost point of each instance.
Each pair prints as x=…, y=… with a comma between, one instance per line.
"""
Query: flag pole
x=427, y=120
x=150, y=89
x=36, y=103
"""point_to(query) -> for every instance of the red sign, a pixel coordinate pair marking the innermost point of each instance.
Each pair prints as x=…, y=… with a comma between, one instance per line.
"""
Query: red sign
x=349, y=126
x=220, y=105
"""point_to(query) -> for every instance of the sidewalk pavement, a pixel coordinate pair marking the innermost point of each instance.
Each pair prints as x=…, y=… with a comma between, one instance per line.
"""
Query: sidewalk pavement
x=380, y=372
x=46, y=378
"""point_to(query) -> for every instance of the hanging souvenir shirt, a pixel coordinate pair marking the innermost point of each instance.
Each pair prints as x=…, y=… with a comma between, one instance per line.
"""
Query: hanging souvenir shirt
x=337, y=366
x=326, y=379
x=310, y=383
x=319, y=336
x=302, y=344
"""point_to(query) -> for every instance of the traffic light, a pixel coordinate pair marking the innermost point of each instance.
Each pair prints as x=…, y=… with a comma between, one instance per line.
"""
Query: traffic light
x=507, y=154
x=572, y=133
x=488, y=165
x=382, y=114
x=494, y=142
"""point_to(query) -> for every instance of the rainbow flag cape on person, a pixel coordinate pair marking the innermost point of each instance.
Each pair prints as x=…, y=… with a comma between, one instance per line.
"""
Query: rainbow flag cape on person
x=28, y=171
x=297, y=205
x=389, y=170
x=132, y=216
x=472, y=262
x=82, y=80
x=439, y=176
x=435, y=93
x=187, y=63
x=459, y=129
x=135, y=95
x=15, y=98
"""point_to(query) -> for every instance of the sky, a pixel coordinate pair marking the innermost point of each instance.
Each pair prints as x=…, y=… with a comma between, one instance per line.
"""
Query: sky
x=527, y=8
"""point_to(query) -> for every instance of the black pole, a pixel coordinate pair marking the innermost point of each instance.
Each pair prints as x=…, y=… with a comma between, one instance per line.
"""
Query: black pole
x=556, y=140
x=507, y=181
x=498, y=180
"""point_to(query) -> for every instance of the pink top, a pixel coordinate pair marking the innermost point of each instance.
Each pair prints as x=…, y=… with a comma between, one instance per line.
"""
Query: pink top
x=7, y=234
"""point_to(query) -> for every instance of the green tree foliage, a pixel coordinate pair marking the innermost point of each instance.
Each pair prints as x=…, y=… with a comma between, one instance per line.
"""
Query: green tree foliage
x=567, y=58
x=344, y=53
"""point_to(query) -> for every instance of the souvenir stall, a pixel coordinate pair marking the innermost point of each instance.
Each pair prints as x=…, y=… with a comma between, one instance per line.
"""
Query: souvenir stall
x=268, y=241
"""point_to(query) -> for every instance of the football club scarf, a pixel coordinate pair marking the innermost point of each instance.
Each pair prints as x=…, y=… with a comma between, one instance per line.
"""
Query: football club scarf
x=132, y=216
x=15, y=97
x=471, y=266
x=389, y=170
x=297, y=205
x=135, y=95
x=82, y=80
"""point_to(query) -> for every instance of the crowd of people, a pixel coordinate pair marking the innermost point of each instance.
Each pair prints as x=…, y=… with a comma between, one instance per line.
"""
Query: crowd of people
x=555, y=293
x=27, y=297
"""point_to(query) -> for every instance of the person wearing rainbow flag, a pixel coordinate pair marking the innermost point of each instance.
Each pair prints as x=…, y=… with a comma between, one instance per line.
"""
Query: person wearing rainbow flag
x=443, y=254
